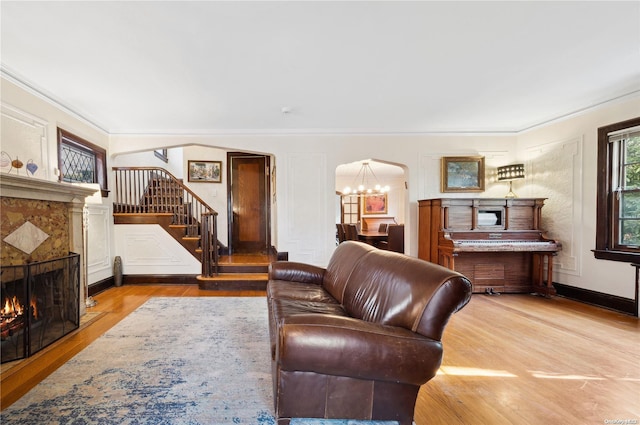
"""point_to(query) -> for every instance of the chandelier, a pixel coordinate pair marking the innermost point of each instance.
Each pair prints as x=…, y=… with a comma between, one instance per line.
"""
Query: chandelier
x=363, y=185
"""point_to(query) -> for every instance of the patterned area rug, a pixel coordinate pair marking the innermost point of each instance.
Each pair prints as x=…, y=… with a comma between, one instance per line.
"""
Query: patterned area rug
x=172, y=361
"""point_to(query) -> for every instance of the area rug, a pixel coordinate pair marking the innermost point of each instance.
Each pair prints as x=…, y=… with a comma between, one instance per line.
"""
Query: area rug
x=88, y=318
x=172, y=361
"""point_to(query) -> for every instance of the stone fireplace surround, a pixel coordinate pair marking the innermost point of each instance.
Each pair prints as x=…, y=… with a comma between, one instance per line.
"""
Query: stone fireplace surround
x=72, y=197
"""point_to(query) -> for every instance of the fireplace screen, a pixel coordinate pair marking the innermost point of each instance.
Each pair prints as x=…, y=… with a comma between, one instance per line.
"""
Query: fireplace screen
x=40, y=304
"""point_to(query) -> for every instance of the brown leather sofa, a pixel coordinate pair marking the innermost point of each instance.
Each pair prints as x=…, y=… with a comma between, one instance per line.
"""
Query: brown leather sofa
x=357, y=339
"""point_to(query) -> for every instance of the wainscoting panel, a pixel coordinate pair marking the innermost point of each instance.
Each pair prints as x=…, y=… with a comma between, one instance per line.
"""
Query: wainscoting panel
x=547, y=165
x=306, y=224
x=28, y=135
x=148, y=249
x=99, y=247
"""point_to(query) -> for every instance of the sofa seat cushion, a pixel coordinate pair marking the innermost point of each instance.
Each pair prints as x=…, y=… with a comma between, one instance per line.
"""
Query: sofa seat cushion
x=344, y=346
x=284, y=289
x=280, y=309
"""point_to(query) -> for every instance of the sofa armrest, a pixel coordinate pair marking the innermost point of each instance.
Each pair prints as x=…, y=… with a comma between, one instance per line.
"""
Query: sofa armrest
x=344, y=346
x=296, y=272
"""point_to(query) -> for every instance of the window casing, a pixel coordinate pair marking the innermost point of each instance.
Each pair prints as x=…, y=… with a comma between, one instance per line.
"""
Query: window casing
x=80, y=161
x=618, y=202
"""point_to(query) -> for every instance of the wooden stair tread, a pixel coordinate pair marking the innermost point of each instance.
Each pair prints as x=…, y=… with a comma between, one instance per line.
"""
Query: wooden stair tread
x=236, y=276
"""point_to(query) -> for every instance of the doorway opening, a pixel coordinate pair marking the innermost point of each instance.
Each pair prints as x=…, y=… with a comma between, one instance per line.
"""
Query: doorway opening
x=249, y=209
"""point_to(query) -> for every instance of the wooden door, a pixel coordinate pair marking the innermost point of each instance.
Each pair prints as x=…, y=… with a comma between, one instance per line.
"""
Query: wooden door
x=249, y=224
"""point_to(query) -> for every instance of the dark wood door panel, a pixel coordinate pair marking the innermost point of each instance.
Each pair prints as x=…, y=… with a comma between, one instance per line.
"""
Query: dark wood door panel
x=249, y=203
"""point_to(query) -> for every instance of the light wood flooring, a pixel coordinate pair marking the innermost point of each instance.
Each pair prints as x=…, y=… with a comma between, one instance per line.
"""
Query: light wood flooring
x=509, y=359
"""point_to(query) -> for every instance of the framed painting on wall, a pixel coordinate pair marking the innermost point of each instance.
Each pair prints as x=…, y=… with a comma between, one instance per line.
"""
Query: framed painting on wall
x=462, y=174
x=374, y=204
x=205, y=171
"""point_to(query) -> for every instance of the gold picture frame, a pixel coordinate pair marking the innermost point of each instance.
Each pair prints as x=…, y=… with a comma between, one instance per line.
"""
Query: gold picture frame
x=205, y=171
x=374, y=204
x=462, y=174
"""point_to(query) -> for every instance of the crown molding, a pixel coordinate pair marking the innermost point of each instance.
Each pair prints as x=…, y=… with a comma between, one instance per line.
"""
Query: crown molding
x=14, y=78
x=41, y=94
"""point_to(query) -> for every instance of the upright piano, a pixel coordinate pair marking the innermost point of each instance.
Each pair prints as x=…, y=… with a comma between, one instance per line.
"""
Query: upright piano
x=497, y=243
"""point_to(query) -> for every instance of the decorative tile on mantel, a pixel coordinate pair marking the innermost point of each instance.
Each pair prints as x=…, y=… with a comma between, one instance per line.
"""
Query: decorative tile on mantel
x=26, y=238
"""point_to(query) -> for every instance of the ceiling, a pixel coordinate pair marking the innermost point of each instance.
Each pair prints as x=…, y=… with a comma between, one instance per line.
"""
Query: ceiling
x=213, y=67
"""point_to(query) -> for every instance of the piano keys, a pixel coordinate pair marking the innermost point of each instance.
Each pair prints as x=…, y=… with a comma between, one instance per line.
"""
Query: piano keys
x=496, y=243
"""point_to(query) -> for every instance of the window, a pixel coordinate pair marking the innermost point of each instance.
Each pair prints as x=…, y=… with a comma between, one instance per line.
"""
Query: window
x=618, y=208
x=161, y=154
x=350, y=205
x=80, y=161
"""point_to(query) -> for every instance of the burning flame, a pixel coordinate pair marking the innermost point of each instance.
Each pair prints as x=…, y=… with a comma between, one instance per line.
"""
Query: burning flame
x=12, y=315
x=34, y=307
x=12, y=307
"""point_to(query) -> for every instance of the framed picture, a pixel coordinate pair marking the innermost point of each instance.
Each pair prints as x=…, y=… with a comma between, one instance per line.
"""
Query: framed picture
x=462, y=174
x=205, y=171
x=374, y=204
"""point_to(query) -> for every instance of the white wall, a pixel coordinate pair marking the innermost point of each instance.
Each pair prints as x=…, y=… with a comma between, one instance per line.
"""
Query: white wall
x=214, y=194
x=564, y=157
x=305, y=190
x=26, y=108
x=148, y=159
x=149, y=249
x=560, y=158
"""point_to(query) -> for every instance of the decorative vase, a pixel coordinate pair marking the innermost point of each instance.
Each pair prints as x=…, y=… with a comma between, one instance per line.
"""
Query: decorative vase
x=117, y=270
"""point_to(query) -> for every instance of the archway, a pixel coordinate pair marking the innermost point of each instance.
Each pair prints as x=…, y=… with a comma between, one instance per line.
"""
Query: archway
x=352, y=208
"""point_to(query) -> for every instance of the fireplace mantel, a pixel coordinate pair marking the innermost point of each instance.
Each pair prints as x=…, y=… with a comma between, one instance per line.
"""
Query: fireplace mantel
x=13, y=186
x=71, y=195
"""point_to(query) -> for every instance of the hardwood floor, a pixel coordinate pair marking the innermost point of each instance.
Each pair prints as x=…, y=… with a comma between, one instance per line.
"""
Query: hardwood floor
x=508, y=359
x=522, y=359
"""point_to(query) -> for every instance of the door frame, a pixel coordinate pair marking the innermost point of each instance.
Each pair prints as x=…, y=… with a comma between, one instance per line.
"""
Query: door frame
x=267, y=204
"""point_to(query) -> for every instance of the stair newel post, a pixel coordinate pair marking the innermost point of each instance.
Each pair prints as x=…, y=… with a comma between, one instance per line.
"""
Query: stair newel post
x=214, y=245
x=204, y=242
x=208, y=239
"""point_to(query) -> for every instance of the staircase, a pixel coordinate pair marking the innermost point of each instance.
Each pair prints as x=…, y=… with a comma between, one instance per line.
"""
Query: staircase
x=239, y=272
x=150, y=195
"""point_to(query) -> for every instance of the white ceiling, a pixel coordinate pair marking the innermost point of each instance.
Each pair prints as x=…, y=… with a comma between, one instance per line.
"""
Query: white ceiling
x=212, y=67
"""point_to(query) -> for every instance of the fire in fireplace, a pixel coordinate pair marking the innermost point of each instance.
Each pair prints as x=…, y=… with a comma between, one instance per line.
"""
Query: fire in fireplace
x=39, y=305
x=12, y=315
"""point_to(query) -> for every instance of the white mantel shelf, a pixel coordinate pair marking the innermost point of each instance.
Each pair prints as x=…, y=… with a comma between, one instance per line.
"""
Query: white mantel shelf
x=14, y=186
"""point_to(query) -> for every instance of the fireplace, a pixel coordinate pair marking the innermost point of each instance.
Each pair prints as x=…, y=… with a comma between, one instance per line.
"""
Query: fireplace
x=39, y=305
x=46, y=219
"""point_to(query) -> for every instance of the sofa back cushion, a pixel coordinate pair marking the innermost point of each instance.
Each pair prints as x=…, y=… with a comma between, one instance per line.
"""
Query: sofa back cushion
x=397, y=290
x=340, y=266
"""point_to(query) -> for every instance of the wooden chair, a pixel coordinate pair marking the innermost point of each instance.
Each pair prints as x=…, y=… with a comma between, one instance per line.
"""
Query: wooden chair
x=351, y=232
x=341, y=233
x=395, y=238
x=383, y=227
